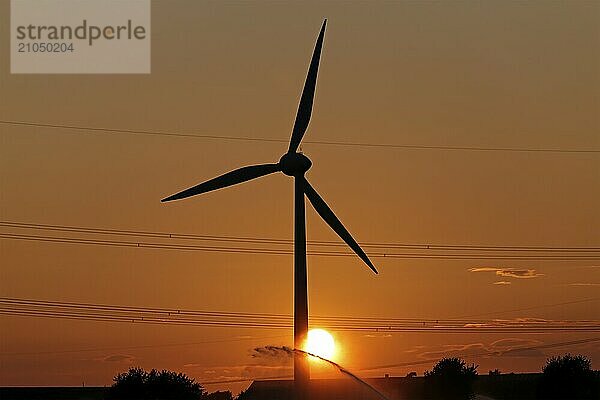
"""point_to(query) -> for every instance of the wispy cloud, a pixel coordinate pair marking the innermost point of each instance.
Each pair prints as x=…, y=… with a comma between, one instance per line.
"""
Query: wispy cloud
x=243, y=371
x=519, y=273
x=383, y=335
x=523, y=322
x=502, y=283
x=118, y=358
x=266, y=362
x=483, y=269
x=583, y=284
x=454, y=350
x=512, y=347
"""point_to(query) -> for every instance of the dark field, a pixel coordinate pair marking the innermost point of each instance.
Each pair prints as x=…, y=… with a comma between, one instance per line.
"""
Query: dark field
x=52, y=393
x=508, y=386
x=505, y=386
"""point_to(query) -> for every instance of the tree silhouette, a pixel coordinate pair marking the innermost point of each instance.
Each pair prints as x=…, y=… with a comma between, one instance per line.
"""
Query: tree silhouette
x=137, y=384
x=569, y=377
x=450, y=379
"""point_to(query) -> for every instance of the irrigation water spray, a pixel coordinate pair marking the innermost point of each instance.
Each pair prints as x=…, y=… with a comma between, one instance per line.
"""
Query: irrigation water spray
x=343, y=370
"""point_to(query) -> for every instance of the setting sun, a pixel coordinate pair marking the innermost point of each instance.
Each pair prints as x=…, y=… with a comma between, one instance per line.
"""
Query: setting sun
x=321, y=343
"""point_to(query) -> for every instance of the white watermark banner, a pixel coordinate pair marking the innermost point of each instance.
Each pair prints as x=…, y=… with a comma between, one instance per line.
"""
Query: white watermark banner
x=80, y=37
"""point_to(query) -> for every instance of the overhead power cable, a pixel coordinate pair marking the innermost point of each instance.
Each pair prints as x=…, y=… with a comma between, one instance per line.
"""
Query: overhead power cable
x=275, y=241
x=170, y=133
x=270, y=316
x=113, y=313
x=474, y=330
x=277, y=251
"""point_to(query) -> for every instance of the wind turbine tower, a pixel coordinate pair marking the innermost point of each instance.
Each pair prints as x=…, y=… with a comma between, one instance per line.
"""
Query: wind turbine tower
x=295, y=165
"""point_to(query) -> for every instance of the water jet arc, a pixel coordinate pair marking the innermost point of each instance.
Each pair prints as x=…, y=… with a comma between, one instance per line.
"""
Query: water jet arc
x=343, y=370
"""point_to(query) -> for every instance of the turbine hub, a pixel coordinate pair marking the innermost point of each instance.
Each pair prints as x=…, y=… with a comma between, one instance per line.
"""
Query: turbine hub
x=294, y=164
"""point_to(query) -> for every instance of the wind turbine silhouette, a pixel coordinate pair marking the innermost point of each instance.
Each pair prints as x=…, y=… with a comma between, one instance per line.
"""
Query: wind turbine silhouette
x=295, y=164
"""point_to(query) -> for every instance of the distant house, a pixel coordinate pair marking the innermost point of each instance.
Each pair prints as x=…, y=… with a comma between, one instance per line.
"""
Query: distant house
x=505, y=386
x=337, y=389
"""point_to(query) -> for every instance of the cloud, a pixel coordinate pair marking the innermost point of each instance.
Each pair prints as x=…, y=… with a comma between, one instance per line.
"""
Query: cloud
x=454, y=350
x=248, y=371
x=509, y=347
x=415, y=349
x=122, y=358
x=511, y=343
x=520, y=273
x=523, y=353
x=266, y=362
x=383, y=335
x=521, y=320
x=583, y=284
x=483, y=269
x=502, y=283
x=507, y=323
x=514, y=347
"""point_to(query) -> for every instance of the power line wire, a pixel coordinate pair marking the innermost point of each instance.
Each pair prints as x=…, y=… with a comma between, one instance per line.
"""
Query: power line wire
x=275, y=241
x=91, y=129
x=108, y=313
x=180, y=312
x=478, y=330
x=273, y=251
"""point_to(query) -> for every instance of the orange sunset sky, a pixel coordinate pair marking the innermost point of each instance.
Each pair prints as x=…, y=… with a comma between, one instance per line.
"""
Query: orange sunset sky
x=520, y=75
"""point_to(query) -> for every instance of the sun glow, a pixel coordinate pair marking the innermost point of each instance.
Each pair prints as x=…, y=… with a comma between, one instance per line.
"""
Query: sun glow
x=320, y=343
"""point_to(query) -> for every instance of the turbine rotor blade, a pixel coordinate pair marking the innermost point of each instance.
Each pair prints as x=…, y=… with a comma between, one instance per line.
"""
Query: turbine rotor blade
x=231, y=178
x=333, y=221
x=308, y=94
